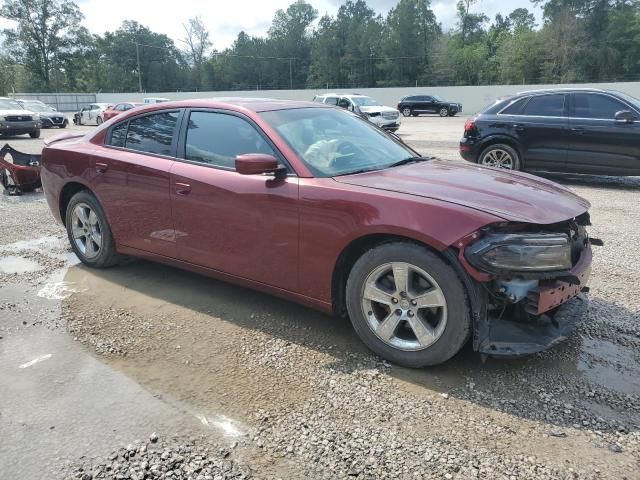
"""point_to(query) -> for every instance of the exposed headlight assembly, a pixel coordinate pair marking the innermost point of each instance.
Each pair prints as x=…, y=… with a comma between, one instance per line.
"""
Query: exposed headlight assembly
x=521, y=252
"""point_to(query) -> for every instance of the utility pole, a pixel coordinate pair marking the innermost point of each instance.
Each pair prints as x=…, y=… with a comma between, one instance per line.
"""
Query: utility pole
x=290, y=74
x=139, y=73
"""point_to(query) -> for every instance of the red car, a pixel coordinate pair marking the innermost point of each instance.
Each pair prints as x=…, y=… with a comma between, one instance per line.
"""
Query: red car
x=117, y=108
x=312, y=203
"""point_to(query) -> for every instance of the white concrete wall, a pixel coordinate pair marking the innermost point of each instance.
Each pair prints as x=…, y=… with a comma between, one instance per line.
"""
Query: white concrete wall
x=472, y=98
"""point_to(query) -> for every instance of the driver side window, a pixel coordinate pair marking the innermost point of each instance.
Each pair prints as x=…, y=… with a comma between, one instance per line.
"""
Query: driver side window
x=217, y=138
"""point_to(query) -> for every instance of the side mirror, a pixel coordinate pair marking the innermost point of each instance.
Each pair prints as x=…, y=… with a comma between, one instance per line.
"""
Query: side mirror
x=256, y=164
x=625, y=116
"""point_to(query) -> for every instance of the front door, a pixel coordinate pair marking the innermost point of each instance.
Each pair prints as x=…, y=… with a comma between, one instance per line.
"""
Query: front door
x=598, y=143
x=243, y=225
x=542, y=130
x=132, y=181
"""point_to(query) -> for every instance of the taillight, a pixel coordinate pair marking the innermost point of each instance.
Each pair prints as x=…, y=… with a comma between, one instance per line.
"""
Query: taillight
x=469, y=126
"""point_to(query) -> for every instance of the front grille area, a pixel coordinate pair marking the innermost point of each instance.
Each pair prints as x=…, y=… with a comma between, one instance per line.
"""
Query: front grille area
x=18, y=118
x=390, y=115
x=56, y=119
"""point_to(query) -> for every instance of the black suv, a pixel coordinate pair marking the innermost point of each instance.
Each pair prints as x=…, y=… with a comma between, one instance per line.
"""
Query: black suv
x=565, y=130
x=417, y=104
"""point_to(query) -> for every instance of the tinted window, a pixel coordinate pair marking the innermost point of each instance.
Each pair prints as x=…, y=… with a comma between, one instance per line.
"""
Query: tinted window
x=332, y=100
x=545, y=106
x=426, y=99
x=119, y=134
x=217, y=138
x=152, y=133
x=588, y=105
x=515, y=108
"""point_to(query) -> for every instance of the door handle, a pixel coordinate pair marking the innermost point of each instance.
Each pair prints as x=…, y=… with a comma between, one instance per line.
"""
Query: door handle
x=518, y=127
x=101, y=167
x=578, y=130
x=182, y=188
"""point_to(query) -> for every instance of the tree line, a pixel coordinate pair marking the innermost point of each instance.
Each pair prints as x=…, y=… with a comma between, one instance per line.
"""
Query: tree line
x=49, y=49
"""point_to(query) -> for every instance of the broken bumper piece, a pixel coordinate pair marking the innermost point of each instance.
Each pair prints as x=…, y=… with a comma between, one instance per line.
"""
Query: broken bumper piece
x=508, y=338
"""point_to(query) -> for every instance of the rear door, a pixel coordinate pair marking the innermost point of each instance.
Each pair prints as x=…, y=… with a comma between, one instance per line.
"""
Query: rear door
x=542, y=129
x=598, y=143
x=132, y=181
x=427, y=104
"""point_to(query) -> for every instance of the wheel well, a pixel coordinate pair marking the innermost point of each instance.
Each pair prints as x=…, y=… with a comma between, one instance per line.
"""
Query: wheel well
x=350, y=255
x=68, y=191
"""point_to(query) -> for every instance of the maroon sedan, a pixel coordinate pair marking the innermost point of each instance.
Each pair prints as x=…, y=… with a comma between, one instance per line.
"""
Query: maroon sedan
x=312, y=203
x=118, y=108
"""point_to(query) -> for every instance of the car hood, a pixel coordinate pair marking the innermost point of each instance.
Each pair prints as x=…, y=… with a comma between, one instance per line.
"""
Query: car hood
x=377, y=108
x=15, y=112
x=513, y=196
x=51, y=114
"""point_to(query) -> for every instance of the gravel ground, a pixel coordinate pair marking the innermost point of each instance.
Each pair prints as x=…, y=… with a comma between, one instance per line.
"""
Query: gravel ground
x=296, y=394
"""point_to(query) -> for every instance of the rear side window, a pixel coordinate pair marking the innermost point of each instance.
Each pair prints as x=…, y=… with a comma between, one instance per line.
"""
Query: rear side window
x=589, y=105
x=152, y=133
x=217, y=138
x=119, y=134
x=545, y=106
x=515, y=108
x=331, y=100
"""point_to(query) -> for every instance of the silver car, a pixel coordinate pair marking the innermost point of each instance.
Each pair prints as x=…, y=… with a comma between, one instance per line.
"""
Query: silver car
x=15, y=120
x=380, y=115
x=91, y=114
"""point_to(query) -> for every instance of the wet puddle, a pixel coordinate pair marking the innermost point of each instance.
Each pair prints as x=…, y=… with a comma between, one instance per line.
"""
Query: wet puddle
x=609, y=365
x=15, y=264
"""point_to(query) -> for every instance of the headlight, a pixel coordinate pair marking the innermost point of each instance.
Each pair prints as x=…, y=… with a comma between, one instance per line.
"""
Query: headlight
x=525, y=252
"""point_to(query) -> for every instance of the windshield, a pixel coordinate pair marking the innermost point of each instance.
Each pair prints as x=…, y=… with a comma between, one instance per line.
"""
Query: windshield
x=37, y=107
x=632, y=100
x=364, y=101
x=6, y=104
x=334, y=142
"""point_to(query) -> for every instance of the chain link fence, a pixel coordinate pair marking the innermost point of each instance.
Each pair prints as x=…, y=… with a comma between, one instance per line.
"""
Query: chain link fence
x=62, y=102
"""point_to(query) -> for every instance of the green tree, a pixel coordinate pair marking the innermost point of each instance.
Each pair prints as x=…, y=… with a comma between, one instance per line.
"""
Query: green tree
x=46, y=33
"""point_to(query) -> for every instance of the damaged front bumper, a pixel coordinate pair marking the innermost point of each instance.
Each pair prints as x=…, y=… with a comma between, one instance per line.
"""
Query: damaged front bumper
x=523, y=312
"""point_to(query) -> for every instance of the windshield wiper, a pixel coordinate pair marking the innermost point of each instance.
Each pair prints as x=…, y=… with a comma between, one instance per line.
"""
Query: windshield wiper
x=409, y=160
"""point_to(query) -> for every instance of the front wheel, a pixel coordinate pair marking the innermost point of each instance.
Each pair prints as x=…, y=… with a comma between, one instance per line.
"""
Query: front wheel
x=99, y=121
x=444, y=112
x=408, y=305
x=500, y=156
x=35, y=133
x=406, y=111
x=89, y=231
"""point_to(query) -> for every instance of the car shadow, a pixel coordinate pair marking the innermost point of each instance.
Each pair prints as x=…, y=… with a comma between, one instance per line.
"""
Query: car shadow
x=600, y=371
x=596, y=181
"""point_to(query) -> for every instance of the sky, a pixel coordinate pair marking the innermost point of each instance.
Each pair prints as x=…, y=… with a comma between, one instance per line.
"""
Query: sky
x=226, y=18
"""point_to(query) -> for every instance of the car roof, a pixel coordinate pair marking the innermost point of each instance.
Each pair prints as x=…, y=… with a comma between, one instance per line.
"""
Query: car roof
x=236, y=103
x=563, y=90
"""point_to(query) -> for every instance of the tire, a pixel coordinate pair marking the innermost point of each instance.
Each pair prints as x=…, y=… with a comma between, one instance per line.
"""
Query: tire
x=406, y=112
x=444, y=112
x=105, y=255
x=99, y=121
x=64, y=124
x=449, y=323
x=35, y=133
x=500, y=155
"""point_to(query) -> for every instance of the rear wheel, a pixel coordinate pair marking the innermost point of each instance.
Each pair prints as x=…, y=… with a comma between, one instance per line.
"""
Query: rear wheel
x=408, y=305
x=89, y=231
x=500, y=156
x=406, y=111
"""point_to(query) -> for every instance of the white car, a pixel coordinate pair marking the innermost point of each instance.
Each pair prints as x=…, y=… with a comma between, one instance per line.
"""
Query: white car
x=380, y=115
x=91, y=114
x=154, y=100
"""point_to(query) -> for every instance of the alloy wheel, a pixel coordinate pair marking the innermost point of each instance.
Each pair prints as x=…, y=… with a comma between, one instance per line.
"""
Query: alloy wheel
x=444, y=112
x=86, y=230
x=498, y=158
x=404, y=306
x=406, y=111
